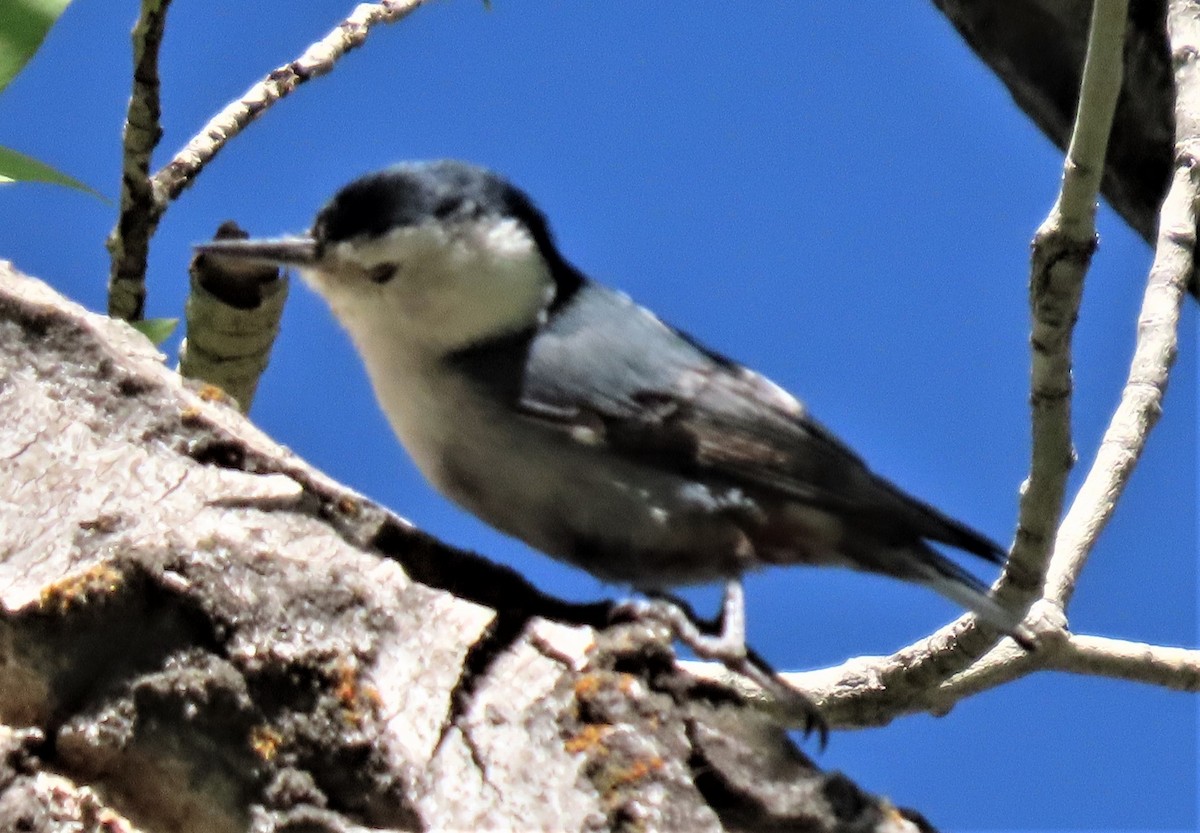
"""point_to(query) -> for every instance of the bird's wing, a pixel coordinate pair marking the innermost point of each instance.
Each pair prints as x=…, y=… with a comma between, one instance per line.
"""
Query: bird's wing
x=651, y=392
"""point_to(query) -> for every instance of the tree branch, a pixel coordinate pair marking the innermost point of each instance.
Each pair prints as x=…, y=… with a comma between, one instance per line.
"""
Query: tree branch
x=1056, y=284
x=1158, y=324
x=858, y=693
x=1173, y=668
x=1062, y=252
x=141, y=206
x=144, y=198
x=317, y=60
x=1035, y=49
x=874, y=690
x=233, y=313
x=229, y=336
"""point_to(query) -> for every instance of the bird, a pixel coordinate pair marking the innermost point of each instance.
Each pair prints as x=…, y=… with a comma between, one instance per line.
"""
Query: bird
x=562, y=413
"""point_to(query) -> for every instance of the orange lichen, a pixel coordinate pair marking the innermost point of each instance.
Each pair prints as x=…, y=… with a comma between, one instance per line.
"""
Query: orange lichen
x=636, y=771
x=356, y=698
x=345, y=683
x=212, y=393
x=80, y=589
x=588, y=686
x=265, y=742
x=589, y=739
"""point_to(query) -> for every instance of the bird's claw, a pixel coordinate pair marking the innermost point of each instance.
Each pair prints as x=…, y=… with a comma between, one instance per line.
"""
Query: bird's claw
x=729, y=649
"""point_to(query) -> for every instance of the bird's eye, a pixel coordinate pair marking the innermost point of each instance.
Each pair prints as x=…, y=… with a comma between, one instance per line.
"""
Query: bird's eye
x=446, y=208
x=382, y=273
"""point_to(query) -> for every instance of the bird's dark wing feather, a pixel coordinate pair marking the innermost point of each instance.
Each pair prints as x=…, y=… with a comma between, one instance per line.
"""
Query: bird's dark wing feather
x=653, y=393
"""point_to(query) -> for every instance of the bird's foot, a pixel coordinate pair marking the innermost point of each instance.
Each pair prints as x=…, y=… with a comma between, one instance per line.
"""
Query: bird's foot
x=728, y=647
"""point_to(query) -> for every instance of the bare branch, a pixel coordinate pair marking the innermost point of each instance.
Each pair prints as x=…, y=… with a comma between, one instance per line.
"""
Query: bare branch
x=877, y=689
x=1174, y=668
x=317, y=60
x=1158, y=324
x=1055, y=291
x=856, y=694
x=144, y=198
x=933, y=675
x=141, y=207
x=1062, y=251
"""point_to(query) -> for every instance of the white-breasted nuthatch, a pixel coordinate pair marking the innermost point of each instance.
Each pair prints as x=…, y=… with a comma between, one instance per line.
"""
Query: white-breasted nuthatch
x=560, y=412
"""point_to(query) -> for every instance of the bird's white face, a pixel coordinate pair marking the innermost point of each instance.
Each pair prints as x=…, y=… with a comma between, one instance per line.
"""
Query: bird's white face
x=435, y=287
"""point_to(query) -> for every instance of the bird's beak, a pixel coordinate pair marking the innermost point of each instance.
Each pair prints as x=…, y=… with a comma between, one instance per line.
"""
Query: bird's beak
x=277, y=251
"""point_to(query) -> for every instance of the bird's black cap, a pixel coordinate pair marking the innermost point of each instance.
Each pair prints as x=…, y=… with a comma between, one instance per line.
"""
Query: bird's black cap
x=413, y=193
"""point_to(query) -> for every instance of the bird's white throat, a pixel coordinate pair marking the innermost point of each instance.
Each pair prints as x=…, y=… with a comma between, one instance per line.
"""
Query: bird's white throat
x=454, y=285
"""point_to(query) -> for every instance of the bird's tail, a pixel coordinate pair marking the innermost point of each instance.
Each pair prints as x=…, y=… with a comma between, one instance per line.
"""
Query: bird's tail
x=925, y=521
x=939, y=573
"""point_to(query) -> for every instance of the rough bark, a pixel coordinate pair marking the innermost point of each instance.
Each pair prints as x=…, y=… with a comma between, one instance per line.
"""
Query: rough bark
x=1036, y=48
x=199, y=632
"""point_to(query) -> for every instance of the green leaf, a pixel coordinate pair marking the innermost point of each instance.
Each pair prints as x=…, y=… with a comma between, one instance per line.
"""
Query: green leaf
x=17, y=167
x=157, y=330
x=23, y=27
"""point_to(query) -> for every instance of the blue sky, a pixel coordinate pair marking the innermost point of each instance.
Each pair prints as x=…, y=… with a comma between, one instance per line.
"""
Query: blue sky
x=839, y=195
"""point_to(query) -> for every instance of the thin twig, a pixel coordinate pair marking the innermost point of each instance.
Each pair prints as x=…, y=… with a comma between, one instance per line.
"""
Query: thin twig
x=129, y=241
x=145, y=198
x=1158, y=324
x=1055, y=295
x=1062, y=249
x=870, y=691
x=317, y=60
x=855, y=695
x=1174, y=668
x=933, y=675
x=1062, y=252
